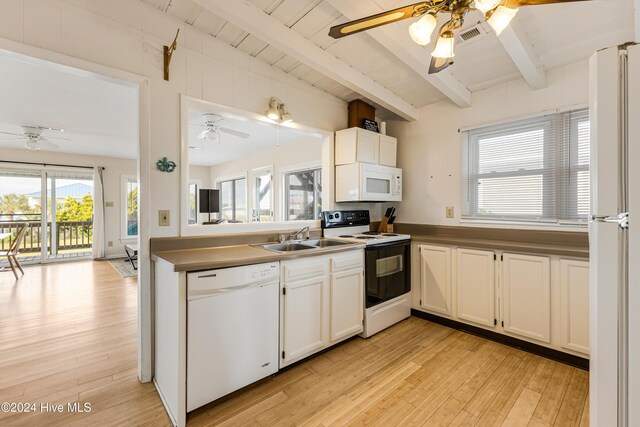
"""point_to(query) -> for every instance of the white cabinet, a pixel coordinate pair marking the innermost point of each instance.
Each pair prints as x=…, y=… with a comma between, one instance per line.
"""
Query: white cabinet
x=322, y=303
x=527, y=296
x=388, y=150
x=360, y=145
x=476, y=286
x=435, y=278
x=574, y=305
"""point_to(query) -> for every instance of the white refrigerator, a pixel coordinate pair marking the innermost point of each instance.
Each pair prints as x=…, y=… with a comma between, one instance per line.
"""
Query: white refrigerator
x=614, y=237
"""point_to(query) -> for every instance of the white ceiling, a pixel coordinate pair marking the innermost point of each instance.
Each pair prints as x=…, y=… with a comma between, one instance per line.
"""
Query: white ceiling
x=98, y=115
x=560, y=34
x=262, y=136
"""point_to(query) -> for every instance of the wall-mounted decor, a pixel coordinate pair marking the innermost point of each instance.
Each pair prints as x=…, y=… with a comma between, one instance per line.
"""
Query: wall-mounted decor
x=166, y=165
x=167, y=54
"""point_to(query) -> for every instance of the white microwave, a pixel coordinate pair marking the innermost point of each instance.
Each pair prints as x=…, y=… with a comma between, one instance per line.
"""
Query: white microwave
x=364, y=182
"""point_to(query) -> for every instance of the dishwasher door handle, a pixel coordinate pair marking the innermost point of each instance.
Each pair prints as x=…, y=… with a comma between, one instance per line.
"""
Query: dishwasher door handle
x=202, y=293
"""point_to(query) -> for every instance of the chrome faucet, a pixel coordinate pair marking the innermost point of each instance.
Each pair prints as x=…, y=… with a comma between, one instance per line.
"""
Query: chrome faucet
x=295, y=235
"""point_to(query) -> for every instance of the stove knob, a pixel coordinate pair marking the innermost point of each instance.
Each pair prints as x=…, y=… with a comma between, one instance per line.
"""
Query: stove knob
x=331, y=216
x=337, y=215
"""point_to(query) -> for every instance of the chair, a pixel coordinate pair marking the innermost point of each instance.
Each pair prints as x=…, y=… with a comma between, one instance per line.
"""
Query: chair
x=14, y=250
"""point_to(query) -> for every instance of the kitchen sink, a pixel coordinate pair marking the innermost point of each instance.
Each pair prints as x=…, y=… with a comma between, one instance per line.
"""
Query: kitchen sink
x=286, y=247
x=301, y=245
x=324, y=243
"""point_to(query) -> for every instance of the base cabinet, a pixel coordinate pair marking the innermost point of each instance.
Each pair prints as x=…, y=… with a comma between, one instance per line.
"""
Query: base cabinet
x=535, y=298
x=527, y=296
x=435, y=278
x=305, y=317
x=574, y=305
x=476, y=285
x=321, y=303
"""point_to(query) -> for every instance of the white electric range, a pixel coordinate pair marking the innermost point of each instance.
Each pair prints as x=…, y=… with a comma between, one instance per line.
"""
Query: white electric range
x=387, y=267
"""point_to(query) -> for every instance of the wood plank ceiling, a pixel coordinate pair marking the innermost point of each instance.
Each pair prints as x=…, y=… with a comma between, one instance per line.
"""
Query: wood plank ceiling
x=559, y=34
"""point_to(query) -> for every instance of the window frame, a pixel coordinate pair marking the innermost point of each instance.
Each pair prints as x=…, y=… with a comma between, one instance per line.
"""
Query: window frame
x=233, y=178
x=553, y=171
x=124, y=194
x=317, y=192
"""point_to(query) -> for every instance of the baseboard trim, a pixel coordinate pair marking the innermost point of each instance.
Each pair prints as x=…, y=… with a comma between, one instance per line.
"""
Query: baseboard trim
x=549, y=353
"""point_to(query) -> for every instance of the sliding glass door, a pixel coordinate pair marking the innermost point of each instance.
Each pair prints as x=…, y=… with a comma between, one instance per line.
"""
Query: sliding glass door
x=57, y=209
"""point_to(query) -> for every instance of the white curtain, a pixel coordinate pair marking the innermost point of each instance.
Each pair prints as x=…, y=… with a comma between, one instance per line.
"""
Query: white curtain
x=97, y=247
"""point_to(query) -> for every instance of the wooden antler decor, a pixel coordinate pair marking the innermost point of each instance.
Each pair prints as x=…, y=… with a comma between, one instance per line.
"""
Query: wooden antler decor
x=168, y=52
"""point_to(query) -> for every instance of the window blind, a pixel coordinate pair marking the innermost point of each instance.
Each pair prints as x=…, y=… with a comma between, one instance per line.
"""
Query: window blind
x=532, y=170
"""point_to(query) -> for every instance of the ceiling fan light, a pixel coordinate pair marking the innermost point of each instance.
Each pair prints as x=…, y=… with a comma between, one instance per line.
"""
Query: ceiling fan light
x=444, y=46
x=421, y=30
x=212, y=135
x=486, y=5
x=500, y=17
x=32, y=144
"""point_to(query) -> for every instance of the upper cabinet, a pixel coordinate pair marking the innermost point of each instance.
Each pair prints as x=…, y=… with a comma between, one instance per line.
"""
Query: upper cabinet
x=360, y=145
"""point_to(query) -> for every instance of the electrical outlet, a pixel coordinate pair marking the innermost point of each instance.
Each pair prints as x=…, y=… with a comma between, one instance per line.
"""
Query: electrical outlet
x=110, y=244
x=449, y=211
x=164, y=218
x=108, y=204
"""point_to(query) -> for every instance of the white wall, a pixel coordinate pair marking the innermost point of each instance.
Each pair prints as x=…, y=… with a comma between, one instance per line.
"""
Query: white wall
x=129, y=35
x=114, y=169
x=429, y=149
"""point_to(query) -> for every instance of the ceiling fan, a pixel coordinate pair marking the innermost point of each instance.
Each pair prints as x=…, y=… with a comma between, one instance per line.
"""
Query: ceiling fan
x=213, y=131
x=34, y=139
x=498, y=14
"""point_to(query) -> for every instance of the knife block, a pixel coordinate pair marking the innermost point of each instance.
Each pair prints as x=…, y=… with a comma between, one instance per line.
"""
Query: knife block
x=389, y=228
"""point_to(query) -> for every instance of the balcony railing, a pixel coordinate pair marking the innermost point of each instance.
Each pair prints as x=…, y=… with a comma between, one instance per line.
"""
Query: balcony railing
x=69, y=235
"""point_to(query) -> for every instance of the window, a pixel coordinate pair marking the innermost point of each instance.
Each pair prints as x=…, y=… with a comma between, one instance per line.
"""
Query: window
x=129, y=206
x=303, y=194
x=533, y=170
x=233, y=199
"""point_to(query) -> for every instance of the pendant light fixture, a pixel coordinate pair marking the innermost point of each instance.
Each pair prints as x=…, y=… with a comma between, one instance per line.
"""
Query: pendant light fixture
x=421, y=30
x=485, y=6
x=500, y=17
x=444, y=45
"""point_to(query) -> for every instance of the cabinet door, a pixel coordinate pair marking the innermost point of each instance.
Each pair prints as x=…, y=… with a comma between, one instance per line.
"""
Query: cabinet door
x=347, y=304
x=527, y=296
x=367, y=146
x=476, y=286
x=574, y=305
x=388, y=149
x=435, y=278
x=303, y=317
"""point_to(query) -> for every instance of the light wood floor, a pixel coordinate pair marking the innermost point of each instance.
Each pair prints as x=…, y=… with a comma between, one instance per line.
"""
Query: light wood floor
x=68, y=334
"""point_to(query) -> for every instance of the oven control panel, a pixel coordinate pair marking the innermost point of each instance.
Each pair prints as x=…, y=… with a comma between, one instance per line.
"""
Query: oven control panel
x=332, y=219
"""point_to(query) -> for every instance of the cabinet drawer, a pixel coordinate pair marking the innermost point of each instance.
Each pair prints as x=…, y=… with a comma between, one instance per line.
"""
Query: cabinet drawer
x=348, y=261
x=302, y=269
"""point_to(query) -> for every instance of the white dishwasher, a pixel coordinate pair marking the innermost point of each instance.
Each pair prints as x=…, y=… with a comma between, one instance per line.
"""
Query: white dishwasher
x=232, y=330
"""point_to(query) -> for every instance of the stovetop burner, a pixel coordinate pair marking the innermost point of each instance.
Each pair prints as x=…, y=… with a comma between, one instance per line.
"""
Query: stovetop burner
x=389, y=234
x=365, y=237
x=346, y=236
x=371, y=233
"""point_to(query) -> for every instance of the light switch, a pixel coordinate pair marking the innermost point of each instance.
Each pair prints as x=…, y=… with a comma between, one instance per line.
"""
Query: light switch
x=108, y=204
x=449, y=211
x=110, y=243
x=164, y=218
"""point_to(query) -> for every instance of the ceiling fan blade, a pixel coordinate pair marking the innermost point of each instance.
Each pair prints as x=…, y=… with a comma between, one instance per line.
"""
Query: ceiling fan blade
x=14, y=134
x=518, y=3
x=378, y=19
x=439, y=64
x=48, y=143
x=60, y=139
x=234, y=132
x=11, y=139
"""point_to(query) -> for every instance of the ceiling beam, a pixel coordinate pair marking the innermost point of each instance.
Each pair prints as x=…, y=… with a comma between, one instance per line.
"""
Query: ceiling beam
x=250, y=18
x=520, y=49
x=396, y=40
